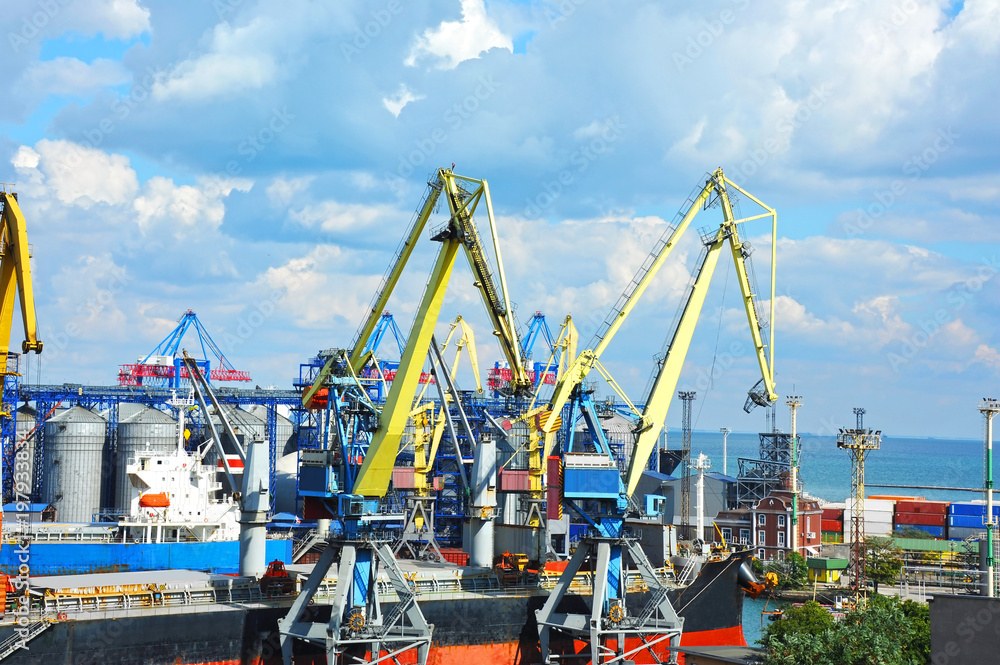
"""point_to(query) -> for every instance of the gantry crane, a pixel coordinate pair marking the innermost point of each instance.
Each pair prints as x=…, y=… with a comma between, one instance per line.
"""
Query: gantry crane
x=358, y=625
x=591, y=478
x=15, y=278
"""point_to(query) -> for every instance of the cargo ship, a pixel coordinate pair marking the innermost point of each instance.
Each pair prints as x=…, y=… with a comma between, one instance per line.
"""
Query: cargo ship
x=191, y=618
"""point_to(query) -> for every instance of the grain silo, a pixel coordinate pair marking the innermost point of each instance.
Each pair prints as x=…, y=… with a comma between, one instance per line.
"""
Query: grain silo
x=149, y=429
x=73, y=456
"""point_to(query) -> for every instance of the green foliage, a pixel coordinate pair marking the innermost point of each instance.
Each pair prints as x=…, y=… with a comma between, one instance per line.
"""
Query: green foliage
x=809, y=619
x=884, y=560
x=792, y=572
x=886, y=632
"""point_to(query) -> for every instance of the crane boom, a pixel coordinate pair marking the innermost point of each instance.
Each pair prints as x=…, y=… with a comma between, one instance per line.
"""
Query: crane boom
x=578, y=371
x=463, y=205
x=15, y=276
x=358, y=357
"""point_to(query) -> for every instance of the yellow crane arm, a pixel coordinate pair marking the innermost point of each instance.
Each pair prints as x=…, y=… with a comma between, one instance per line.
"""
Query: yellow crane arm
x=376, y=470
x=15, y=276
x=658, y=402
x=357, y=359
x=463, y=204
x=581, y=367
x=468, y=342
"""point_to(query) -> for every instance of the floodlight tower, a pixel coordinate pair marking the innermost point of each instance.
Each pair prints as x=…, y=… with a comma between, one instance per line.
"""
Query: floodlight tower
x=989, y=408
x=794, y=402
x=858, y=442
x=725, y=439
x=687, y=397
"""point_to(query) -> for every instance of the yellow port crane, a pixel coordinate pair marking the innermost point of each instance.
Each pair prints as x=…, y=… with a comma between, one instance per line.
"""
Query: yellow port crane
x=15, y=276
x=713, y=192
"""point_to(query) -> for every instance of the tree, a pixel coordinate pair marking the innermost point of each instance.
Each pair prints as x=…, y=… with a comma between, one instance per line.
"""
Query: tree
x=792, y=572
x=884, y=560
x=885, y=631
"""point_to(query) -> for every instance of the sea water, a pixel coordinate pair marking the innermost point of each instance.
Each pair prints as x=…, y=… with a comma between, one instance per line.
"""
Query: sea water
x=825, y=470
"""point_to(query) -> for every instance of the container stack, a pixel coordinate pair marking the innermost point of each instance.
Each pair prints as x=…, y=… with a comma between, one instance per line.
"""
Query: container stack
x=878, y=517
x=833, y=523
x=931, y=517
x=967, y=519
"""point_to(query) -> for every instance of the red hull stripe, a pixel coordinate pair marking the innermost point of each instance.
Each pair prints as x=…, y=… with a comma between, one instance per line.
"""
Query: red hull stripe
x=510, y=654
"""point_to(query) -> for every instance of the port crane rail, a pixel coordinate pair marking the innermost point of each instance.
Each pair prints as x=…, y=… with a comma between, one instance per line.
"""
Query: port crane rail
x=358, y=628
x=590, y=482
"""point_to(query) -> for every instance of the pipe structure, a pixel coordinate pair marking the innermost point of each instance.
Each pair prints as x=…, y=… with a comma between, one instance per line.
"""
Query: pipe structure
x=254, y=506
x=794, y=402
x=989, y=408
x=484, y=501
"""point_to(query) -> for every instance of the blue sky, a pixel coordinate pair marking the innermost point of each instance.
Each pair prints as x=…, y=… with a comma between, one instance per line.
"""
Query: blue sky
x=258, y=162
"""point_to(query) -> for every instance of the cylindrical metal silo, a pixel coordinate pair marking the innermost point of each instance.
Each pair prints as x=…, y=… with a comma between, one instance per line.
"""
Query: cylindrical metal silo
x=150, y=429
x=74, y=450
x=284, y=429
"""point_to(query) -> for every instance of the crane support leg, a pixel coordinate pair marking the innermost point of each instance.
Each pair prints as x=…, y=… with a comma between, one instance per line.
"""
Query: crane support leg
x=613, y=635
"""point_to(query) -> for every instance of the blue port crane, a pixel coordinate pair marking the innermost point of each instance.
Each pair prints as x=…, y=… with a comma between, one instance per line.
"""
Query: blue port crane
x=164, y=366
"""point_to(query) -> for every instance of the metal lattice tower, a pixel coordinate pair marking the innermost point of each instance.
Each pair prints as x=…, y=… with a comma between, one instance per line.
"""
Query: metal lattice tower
x=858, y=442
x=687, y=397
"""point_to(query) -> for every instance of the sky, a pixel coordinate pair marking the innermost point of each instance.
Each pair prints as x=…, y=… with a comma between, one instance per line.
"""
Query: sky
x=259, y=162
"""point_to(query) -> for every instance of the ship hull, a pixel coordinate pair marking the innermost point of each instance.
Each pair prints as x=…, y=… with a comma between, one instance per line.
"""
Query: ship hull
x=485, y=630
x=62, y=558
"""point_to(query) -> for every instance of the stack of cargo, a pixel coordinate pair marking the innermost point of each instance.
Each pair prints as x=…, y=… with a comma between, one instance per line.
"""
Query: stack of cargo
x=833, y=523
x=878, y=517
x=927, y=516
x=968, y=519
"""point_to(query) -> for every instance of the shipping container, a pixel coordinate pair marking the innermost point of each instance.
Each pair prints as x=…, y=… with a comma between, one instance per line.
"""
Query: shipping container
x=884, y=516
x=514, y=480
x=455, y=555
x=832, y=537
x=975, y=521
x=874, y=504
x=891, y=497
x=936, y=531
x=833, y=514
x=963, y=532
x=832, y=525
x=923, y=507
x=924, y=519
x=971, y=508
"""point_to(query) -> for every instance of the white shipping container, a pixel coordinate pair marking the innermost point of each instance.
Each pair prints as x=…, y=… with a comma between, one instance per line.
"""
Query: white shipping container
x=874, y=504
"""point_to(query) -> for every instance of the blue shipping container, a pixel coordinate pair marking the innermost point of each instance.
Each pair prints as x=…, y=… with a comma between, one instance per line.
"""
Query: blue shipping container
x=966, y=520
x=936, y=531
x=971, y=509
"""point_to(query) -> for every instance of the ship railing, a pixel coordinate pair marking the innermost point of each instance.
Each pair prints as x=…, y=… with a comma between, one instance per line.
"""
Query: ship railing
x=60, y=604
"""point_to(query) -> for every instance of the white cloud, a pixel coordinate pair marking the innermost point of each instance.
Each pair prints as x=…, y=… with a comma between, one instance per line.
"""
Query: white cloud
x=397, y=102
x=238, y=60
x=282, y=191
x=184, y=209
x=978, y=24
x=77, y=175
x=988, y=356
x=70, y=76
x=336, y=216
x=454, y=42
